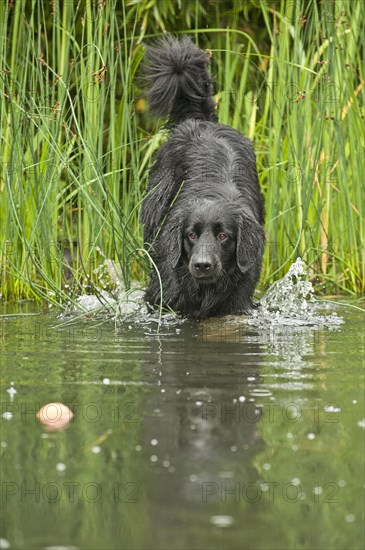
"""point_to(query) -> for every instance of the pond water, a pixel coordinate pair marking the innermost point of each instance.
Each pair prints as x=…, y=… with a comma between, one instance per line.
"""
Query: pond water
x=207, y=435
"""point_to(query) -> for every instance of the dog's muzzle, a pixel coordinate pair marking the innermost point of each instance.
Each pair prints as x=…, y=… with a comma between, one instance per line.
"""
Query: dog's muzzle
x=205, y=268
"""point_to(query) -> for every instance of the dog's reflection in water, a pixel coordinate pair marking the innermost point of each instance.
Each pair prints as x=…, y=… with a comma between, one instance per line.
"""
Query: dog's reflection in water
x=205, y=420
x=230, y=330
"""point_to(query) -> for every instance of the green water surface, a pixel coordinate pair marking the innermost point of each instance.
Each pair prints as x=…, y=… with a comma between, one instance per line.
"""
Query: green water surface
x=212, y=435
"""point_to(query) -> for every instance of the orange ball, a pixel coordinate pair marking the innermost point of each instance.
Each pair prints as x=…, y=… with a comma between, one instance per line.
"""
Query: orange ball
x=54, y=416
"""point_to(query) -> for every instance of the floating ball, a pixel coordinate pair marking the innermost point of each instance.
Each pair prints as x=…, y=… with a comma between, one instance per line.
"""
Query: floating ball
x=55, y=416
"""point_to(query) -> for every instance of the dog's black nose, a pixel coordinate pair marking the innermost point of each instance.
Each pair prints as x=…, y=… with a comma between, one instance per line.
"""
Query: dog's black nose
x=203, y=267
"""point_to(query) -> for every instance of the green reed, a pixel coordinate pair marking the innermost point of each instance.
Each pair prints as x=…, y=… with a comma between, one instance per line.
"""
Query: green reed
x=76, y=140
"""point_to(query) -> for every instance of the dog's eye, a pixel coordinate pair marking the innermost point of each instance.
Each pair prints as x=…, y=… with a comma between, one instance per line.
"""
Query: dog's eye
x=222, y=237
x=193, y=236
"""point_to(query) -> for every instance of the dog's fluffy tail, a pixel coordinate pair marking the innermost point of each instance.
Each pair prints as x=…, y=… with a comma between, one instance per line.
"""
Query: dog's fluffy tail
x=180, y=85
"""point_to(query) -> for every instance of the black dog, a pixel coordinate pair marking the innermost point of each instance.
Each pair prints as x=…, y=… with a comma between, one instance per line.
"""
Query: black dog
x=203, y=214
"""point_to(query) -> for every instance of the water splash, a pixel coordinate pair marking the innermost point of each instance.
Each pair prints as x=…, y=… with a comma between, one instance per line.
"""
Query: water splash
x=292, y=295
x=288, y=302
x=112, y=301
x=291, y=302
x=121, y=302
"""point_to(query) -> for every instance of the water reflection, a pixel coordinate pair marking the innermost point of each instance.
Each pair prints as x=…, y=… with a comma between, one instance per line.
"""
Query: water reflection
x=210, y=434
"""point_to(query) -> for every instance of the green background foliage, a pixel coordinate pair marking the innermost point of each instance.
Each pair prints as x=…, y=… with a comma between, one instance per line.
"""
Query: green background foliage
x=77, y=140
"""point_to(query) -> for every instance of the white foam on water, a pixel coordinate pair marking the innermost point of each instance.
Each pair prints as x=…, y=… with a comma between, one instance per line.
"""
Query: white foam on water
x=119, y=303
x=291, y=302
x=122, y=303
x=288, y=302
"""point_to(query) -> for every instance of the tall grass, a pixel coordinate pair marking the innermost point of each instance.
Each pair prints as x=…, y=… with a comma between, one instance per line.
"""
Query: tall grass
x=302, y=103
x=76, y=142
x=71, y=150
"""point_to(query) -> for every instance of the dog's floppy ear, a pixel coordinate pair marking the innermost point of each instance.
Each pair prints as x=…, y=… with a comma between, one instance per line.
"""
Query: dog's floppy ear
x=250, y=243
x=173, y=236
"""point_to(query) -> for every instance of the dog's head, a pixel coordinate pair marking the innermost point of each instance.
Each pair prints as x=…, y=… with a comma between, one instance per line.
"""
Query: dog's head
x=214, y=238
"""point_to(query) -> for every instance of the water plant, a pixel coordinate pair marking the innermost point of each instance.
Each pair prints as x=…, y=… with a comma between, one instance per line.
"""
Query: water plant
x=76, y=142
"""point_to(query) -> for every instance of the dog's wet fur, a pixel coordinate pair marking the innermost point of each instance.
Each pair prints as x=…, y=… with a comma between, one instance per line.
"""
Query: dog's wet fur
x=203, y=214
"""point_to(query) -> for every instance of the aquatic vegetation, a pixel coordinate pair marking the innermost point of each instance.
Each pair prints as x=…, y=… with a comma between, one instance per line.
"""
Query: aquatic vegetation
x=76, y=143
